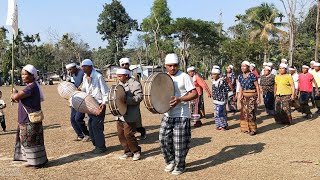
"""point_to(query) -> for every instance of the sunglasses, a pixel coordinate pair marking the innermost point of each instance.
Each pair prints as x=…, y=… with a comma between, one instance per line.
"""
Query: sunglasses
x=124, y=64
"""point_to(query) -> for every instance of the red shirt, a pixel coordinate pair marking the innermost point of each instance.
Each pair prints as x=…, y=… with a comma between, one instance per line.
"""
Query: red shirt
x=255, y=73
x=305, y=82
x=200, y=84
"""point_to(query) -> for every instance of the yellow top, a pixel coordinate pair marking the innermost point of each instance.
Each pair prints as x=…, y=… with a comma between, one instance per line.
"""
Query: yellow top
x=316, y=76
x=284, y=83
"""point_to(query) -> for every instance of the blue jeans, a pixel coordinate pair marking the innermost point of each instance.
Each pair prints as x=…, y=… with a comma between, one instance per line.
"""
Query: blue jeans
x=96, y=128
x=78, y=123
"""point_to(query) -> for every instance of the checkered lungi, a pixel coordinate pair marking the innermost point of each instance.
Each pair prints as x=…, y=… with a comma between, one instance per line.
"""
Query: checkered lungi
x=174, y=136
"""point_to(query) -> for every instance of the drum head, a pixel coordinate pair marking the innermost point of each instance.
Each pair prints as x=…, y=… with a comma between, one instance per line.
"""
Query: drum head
x=120, y=96
x=162, y=89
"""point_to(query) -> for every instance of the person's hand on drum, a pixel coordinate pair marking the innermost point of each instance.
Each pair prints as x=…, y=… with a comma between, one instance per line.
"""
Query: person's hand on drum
x=101, y=108
x=174, y=101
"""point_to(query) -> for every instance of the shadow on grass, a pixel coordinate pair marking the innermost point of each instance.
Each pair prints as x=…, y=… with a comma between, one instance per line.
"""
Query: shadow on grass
x=226, y=154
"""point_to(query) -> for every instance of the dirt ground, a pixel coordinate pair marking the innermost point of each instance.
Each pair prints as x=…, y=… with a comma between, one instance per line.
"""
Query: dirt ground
x=276, y=152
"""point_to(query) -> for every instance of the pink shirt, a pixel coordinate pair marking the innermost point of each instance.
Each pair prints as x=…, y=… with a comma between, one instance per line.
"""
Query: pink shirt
x=305, y=82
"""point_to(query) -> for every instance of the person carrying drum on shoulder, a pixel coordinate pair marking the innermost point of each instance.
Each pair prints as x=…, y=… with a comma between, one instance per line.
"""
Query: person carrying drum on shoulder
x=125, y=63
x=126, y=125
x=76, y=118
x=198, y=104
x=95, y=86
x=175, y=128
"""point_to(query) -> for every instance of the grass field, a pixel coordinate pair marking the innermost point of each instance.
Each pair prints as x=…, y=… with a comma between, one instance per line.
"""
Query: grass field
x=276, y=152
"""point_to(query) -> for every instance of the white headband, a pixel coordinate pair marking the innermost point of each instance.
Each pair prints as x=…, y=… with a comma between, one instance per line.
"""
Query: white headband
x=292, y=69
x=123, y=71
x=316, y=64
x=230, y=66
x=284, y=60
x=124, y=60
x=216, y=67
x=71, y=65
x=171, y=59
x=312, y=62
x=191, y=69
x=246, y=63
x=215, y=71
x=283, y=65
x=269, y=64
x=32, y=70
x=253, y=65
x=305, y=66
x=87, y=62
x=267, y=68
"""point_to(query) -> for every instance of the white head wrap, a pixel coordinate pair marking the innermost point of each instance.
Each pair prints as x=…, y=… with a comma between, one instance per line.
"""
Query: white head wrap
x=316, y=64
x=124, y=60
x=270, y=64
x=32, y=70
x=291, y=69
x=305, y=66
x=267, y=68
x=71, y=65
x=283, y=65
x=265, y=64
x=230, y=66
x=172, y=59
x=215, y=71
x=253, y=65
x=216, y=67
x=87, y=62
x=312, y=62
x=192, y=68
x=245, y=63
x=284, y=60
x=123, y=71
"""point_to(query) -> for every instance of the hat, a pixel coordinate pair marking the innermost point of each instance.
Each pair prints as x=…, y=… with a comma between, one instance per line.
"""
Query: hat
x=71, y=65
x=305, y=66
x=245, y=63
x=171, y=59
x=87, y=62
x=283, y=65
x=191, y=69
x=284, y=60
x=312, y=62
x=215, y=71
x=316, y=64
x=124, y=60
x=270, y=64
x=253, y=65
x=230, y=66
x=123, y=71
x=216, y=67
x=267, y=68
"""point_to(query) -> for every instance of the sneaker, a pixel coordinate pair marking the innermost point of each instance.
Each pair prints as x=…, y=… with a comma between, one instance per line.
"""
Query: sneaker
x=169, y=167
x=136, y=156
x=124, y=156
x=99, y=150
x=177, y=171
x=86, y=138
x=78, y=139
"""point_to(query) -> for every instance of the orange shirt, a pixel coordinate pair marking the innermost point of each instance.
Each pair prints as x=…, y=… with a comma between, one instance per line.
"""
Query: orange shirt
x=200, y=84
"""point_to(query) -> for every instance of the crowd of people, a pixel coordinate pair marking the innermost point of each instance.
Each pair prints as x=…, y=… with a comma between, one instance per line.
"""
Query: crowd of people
x=281, y=90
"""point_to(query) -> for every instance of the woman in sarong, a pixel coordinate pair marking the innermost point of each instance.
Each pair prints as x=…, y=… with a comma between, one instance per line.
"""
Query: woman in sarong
x=284, y=92
x=29, y=140
x=267, y=87
x=232, y=105
x=250, y=97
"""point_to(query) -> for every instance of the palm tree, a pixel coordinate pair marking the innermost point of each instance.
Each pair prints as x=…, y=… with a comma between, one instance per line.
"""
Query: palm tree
x=264, y=24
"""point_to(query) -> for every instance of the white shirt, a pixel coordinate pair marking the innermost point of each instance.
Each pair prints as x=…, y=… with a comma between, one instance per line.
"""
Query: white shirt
x=274, y=72
x=1, y=107
x=96, y=87
x=295, y=78
x=182, y=85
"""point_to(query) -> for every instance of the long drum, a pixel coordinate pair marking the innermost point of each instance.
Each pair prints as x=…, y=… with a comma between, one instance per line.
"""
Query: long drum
x=84, y=103
x=158, y=90
x=116, y=98
x=66, y=89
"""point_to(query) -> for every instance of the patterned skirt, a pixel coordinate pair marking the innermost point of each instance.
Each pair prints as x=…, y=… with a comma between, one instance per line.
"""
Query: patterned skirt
x=248, y=114
x=232, y=105
x=30, y=144
x=283, y=109
x=197, y=106
x=220, y=115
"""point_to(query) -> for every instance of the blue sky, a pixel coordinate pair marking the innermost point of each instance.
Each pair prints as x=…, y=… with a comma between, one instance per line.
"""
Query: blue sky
x=80, y=16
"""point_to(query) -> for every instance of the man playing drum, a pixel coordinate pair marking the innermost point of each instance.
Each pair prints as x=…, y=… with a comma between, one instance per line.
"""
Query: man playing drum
x=125, y=63
x=126, y=125
x=77, y=122
x=198, y=104
x=175, y=128
x=95, y=85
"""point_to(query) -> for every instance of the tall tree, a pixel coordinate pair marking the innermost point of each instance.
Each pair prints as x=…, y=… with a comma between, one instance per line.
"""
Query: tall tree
x=115, y=26
x=157, y=24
